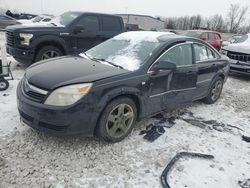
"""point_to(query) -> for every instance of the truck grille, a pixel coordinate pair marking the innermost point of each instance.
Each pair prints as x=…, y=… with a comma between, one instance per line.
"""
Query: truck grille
x=239, y=56
x=33, y=92
x=10, y=38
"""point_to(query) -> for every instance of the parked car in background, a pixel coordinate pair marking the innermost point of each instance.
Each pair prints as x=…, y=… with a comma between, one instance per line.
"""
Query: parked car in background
x=211, y=37
x=20, y=15
x=7, y=21
x=105, y=90
x=70, y=33
x=239, y=54
x=43, y=18
x=232, y=40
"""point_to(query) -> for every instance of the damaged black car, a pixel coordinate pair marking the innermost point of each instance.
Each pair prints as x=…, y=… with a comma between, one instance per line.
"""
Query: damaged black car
x=104, y=91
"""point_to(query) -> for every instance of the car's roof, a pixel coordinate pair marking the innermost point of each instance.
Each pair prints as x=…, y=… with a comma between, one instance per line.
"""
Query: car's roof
x=96, y=13
x=203, y=31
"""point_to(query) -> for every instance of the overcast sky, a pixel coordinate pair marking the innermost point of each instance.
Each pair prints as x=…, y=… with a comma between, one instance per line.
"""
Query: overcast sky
x=162, y=8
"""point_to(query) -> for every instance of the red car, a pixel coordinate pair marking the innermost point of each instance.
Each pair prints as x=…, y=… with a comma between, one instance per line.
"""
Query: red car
x=211, y=37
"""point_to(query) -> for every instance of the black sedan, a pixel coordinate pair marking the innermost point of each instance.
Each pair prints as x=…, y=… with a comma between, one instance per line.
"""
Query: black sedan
x=104, y=91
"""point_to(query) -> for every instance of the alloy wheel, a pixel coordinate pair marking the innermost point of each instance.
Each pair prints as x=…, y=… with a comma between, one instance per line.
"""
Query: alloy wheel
x=50, y=54
x=120, y=120
x=216, y=90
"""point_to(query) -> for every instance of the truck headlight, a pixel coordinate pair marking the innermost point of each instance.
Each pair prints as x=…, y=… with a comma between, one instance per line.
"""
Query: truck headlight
x=68, y=95
x=224, y=52
x=25, y=38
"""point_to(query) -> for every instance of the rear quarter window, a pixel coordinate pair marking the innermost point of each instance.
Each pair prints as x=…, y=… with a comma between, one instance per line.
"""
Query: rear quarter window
x=217, y=37
x=111, y=24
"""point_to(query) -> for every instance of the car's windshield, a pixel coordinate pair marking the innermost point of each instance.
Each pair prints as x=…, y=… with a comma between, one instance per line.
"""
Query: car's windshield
x=129, y=54
x=65, y=19
x=193, y=34
x=239, y=39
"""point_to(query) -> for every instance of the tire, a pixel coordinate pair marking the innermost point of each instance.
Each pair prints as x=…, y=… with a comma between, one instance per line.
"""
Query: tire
x=113, y=125
x=4, y=84
x=215, y=91
x=48, y=52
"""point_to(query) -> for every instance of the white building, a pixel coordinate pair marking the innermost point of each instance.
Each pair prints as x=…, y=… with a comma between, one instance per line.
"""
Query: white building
x=143, y=21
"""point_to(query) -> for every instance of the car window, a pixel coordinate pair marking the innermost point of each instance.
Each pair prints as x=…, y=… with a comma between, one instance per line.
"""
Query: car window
x=180, y=55
x=200, y=52
x=90, y=23
x=4, y=18
x=203, y=53
x=217, y=37
x=210, y=54
x=46, y=19
x=111, y=24
x=211, y=36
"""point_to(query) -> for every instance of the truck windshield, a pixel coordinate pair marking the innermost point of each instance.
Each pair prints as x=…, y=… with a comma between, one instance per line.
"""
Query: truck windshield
x=65, y=19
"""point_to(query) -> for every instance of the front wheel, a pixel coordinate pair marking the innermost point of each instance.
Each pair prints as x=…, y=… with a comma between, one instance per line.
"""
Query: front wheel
x=117, y=120
x=215, y=91
x=48, y=52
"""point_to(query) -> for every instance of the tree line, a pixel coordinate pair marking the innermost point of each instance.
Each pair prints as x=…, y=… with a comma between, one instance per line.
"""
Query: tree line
x=236, y=21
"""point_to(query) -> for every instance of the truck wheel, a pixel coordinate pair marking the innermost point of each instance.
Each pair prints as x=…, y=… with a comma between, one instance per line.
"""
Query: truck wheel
x=48, y=52
x=117, y=120
x=215, y=91
x=4, y=84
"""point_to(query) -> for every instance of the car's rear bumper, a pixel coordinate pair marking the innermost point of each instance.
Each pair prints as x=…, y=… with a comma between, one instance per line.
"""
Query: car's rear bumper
x=239, y=67
x=24, y=55
x=79, y=119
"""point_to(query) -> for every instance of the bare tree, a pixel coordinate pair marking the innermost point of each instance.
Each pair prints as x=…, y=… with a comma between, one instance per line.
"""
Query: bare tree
x=236, y=16
x=216, y=22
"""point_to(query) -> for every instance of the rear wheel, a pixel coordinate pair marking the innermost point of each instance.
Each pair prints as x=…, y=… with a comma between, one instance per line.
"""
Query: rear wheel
x=4, y=84
x=215, y=91
x=117, y=120
x=48, y=52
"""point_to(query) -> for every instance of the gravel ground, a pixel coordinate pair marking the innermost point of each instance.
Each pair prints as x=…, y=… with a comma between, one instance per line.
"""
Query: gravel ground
x=32, y=159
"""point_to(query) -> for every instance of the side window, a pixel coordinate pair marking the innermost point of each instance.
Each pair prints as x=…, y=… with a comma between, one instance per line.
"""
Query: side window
x=111, y=24
x=47, y=19
x=203, y=53
x=180, y=55
x=4, y=18
x=90, y=23
x=217, y=37
x=200, y=52
x=211, y=36
x=210, y=54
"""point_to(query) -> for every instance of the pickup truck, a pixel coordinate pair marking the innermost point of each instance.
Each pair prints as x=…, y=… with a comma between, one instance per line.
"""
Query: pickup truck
x=70, y=33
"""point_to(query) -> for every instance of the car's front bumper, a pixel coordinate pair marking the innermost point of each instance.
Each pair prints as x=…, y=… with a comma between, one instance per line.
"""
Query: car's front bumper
x=239, y=67
x=22, y=55
x=78, y=119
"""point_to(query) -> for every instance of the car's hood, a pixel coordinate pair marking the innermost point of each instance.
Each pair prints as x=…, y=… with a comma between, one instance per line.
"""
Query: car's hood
x=240, y=48
x=30, y=27
x=61, y=71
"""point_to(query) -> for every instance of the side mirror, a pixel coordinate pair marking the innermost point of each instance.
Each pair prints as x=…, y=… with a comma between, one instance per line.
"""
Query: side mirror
x=163, y=65
x=78, y=29
x=203, y=38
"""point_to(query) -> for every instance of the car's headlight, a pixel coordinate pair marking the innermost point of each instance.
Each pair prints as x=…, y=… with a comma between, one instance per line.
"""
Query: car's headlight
x=25, y=38
x=224, y=52
x=68, y=95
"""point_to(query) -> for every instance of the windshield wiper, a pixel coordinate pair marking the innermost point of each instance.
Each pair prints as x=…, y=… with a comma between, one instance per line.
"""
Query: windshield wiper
x=100, y=59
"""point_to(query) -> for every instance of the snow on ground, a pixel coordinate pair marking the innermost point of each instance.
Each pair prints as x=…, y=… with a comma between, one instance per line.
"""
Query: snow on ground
x=32, y=159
